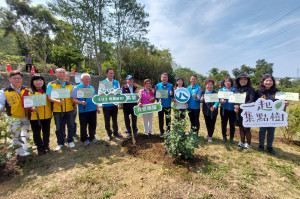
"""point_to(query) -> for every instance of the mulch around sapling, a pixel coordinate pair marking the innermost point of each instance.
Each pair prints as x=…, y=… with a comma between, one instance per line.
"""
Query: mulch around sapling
x=151, y=148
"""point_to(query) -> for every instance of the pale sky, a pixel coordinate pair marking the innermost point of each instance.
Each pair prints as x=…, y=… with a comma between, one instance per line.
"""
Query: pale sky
x=202, y=34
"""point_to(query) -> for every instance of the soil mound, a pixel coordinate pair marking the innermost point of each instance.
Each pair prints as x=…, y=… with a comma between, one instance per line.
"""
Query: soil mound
x=151, y=148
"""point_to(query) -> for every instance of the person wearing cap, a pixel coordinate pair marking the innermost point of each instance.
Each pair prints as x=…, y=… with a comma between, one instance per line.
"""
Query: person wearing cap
x=129, y=87
x=209, y=109
x=111, y=110
x=194, y=103
x=165, y=102
x=221, y=84
x=243, y=85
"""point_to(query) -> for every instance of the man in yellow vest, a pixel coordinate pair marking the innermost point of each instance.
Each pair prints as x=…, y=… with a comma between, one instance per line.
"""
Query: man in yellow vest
x=11, y=100
x=63, y=110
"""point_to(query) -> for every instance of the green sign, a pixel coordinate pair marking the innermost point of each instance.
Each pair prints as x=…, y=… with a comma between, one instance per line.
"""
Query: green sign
x=161, y=94
x=108, y=99
x=85, y=93
x=211, y=97
x=147, y=108
x=224, y=94
x=34, y=100
x=132, y=98
x=60, y=93
x=105, y=85
x=237, y=98
x=78, y=78
x=287, y=96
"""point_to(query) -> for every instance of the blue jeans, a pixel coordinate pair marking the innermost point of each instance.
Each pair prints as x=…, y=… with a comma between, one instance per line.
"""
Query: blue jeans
x=60, y=121
x=270, y=136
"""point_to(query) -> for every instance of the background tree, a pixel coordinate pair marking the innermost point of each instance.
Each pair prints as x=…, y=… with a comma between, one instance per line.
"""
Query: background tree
x=34, y=22
x=65, y=52
x=217, y=76
x=244, y=69
x=88, y=19
x=128, y=24
x=186, y=73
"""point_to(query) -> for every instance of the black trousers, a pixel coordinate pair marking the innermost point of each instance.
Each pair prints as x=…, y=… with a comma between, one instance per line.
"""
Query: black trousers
x=40, y=142
x=28, y=66
x=111, y=112
x=245, y=132
x=228, y=115
x=161, y=114
x=127, y=111
x=194, y=118
x=210, y=124
x=88, y=118
x=182, y=114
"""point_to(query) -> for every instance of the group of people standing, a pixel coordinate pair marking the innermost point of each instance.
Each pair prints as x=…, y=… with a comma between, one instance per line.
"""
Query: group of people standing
x=64, y=110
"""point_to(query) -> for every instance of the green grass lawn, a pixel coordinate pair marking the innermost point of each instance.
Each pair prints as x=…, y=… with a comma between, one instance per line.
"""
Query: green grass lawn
x=104, y=170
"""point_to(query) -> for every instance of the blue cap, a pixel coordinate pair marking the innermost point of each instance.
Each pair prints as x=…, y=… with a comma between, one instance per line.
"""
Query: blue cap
x=129, y=77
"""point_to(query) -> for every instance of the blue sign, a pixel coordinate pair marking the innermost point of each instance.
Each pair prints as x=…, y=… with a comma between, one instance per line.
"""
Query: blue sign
x=182, y=95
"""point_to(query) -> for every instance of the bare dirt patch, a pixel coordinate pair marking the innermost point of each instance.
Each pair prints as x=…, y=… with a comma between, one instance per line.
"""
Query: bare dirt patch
x=151, y=148
x=10, y=168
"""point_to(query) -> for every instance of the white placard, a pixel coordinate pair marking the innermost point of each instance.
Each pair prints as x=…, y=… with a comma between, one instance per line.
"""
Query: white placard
x=264, y=113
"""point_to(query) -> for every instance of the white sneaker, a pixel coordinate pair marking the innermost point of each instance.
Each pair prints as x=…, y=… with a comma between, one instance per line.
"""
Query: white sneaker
x=150, y=133
x=247, y=146
x=24, y=154
x=240, y=144
x=209, y=139
x=206, y=137
x=71, y=144
x=58, y=148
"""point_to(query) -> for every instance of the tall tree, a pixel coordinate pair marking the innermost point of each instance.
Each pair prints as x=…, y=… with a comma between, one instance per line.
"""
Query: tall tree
x=88, y=19
x=128, y=25
x=244, y=69
x=36, y=24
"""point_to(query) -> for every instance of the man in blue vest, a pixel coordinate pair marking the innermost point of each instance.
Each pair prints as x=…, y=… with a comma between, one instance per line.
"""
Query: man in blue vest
x=87, y=111
x=194, y=103
x=165, y=102
x=111, y=110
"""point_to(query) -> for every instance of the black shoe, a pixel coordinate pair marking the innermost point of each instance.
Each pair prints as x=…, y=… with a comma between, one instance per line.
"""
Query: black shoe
x=161, y=135
x=135, y=134
x=271, y=150
x=224, y=139
x=76, y=135
x=231, y=141
x=261, y=148
x=118, y=135
x=41, y=152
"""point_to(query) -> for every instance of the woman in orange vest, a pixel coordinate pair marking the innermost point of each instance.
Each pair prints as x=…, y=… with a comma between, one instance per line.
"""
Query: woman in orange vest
x=40, y=117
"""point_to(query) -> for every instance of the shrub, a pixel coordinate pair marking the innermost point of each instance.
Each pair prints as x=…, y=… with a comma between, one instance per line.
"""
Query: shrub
x=177, y=142
x=293, y=123
x=7, y=148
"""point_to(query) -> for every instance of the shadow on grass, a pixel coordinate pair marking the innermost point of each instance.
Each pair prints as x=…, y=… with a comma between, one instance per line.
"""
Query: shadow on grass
x=67, y=159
